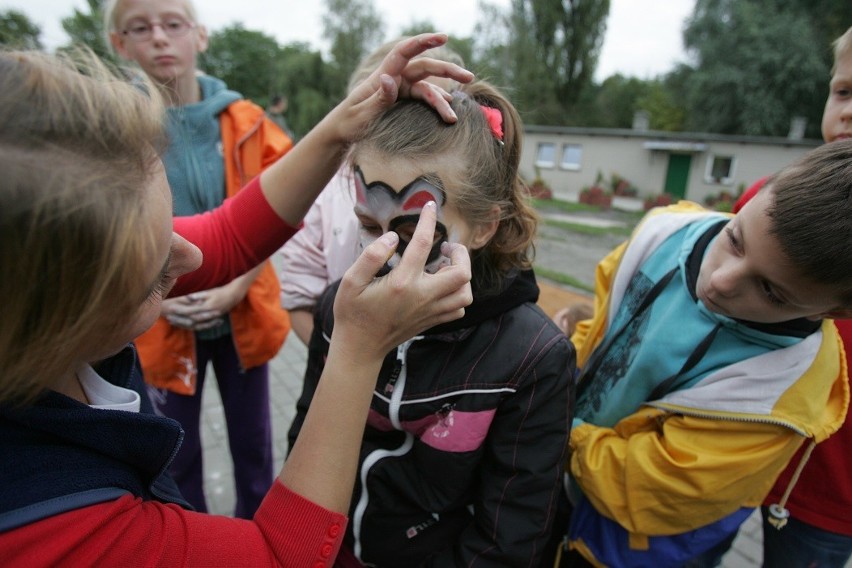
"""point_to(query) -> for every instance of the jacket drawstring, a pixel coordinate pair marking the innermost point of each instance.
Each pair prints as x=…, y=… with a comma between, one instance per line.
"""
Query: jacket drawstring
x=778, y=514
x=587, y=374
x=695, y=357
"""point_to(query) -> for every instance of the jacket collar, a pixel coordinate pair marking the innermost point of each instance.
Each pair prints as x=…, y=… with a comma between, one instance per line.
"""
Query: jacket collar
x=519, y=287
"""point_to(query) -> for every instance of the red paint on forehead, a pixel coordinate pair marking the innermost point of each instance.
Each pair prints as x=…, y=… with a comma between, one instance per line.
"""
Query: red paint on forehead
x=418, y=200
x=360, y=190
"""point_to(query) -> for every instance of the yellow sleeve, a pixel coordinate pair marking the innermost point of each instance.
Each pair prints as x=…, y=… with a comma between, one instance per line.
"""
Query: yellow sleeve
x=588, y=333
x=658, y=473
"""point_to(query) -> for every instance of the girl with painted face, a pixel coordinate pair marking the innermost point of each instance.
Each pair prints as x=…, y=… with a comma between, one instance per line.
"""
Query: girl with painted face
x=462, y=456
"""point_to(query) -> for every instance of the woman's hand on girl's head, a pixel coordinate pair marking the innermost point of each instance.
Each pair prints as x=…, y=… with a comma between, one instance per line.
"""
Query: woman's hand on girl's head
x=401, y=76
x=373, y=315
x=292, y=183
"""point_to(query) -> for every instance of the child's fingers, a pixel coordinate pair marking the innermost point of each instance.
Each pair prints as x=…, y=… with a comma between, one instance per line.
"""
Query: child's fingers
x=181, y=308
x=180, y=321
x=207, y=324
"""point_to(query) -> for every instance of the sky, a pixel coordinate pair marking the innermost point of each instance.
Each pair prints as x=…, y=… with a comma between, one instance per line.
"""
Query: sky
x=643, y=39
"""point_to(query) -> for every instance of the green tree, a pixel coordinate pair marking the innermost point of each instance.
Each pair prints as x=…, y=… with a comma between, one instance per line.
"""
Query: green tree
x=616, y=101
x=461, y=45
x=568, y=37
x=306, y=79
x=491, y=55
x=16, y=30
x=354, y=28
x=87, y=28
x=244, y=59
x=664, y=109
x=255, y=65
x=545, y=51
x=830, y=19
x=757, y=66
x=506, y=55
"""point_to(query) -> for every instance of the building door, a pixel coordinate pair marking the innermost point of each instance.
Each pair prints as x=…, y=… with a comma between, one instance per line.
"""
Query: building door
x=677, y=175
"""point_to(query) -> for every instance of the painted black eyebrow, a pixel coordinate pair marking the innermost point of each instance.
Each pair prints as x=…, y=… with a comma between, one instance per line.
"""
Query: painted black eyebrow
x=397, y=195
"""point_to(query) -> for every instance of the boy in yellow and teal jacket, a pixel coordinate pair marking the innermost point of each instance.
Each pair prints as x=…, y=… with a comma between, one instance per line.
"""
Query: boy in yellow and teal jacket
x=709, y=361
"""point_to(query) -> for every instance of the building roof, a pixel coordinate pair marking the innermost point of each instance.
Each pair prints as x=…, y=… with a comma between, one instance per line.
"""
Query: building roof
x=664, y=140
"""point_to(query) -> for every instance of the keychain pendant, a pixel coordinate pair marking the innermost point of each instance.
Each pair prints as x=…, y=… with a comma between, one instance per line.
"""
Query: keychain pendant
x=778, y=516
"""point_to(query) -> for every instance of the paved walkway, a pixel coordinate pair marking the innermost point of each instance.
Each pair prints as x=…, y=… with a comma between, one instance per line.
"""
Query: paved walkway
x=285, y=380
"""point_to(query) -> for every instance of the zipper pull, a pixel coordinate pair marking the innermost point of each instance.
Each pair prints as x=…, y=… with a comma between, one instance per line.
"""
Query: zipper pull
x=778, y=516
x=397, y=369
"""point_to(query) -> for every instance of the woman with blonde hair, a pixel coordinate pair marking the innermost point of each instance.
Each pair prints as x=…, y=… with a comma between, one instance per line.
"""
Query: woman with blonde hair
x=218, y=141
x=90, y=251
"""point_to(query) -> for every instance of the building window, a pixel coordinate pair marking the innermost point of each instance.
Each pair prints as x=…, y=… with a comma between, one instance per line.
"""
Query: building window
x=546, y=155
x=572, y=156
x=720, y=170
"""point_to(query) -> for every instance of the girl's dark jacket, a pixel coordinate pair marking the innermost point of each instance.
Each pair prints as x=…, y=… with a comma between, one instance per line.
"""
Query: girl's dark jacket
x=464, y=449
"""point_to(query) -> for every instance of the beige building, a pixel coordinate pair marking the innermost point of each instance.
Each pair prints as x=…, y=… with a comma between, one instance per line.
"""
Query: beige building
x=686, y=165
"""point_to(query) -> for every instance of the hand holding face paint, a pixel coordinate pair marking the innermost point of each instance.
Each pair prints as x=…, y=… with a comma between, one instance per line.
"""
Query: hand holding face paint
x=374, y=315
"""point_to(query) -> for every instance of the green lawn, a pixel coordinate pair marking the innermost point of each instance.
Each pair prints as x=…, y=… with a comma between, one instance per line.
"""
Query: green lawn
x=560, y=278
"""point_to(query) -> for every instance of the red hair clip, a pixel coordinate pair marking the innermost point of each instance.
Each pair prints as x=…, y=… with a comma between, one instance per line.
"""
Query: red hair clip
x=495, y=121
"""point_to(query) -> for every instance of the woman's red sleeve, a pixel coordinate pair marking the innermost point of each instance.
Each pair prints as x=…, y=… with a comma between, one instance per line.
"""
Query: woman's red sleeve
x=287, y=530
x=234, y=238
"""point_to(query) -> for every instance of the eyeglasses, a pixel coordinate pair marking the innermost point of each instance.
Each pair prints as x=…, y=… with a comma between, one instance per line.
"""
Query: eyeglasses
x=143, y=30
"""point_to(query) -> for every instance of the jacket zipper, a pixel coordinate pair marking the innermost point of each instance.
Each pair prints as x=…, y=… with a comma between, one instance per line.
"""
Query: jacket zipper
x=711, y=416
x=237, y=147
x=241, y=174
x=398, y=385
x=778, y=513
x=401, y=373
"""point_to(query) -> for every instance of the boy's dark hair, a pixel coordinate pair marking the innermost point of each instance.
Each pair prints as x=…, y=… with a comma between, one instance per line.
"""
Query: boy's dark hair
x=811, y=215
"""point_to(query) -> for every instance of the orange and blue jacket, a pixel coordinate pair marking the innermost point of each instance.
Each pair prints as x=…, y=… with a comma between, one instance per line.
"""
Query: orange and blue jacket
x=259, y=325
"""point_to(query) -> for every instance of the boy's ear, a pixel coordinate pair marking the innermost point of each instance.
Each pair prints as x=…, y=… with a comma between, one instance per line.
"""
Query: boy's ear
x=483, y=233
x=838, y=314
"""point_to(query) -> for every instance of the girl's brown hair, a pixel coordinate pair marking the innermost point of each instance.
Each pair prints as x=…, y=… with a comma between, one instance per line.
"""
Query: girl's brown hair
x=77, y=150
x=481, y=170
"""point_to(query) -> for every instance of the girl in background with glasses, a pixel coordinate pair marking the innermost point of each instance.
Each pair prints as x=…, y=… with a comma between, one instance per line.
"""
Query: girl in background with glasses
x=218, y=141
